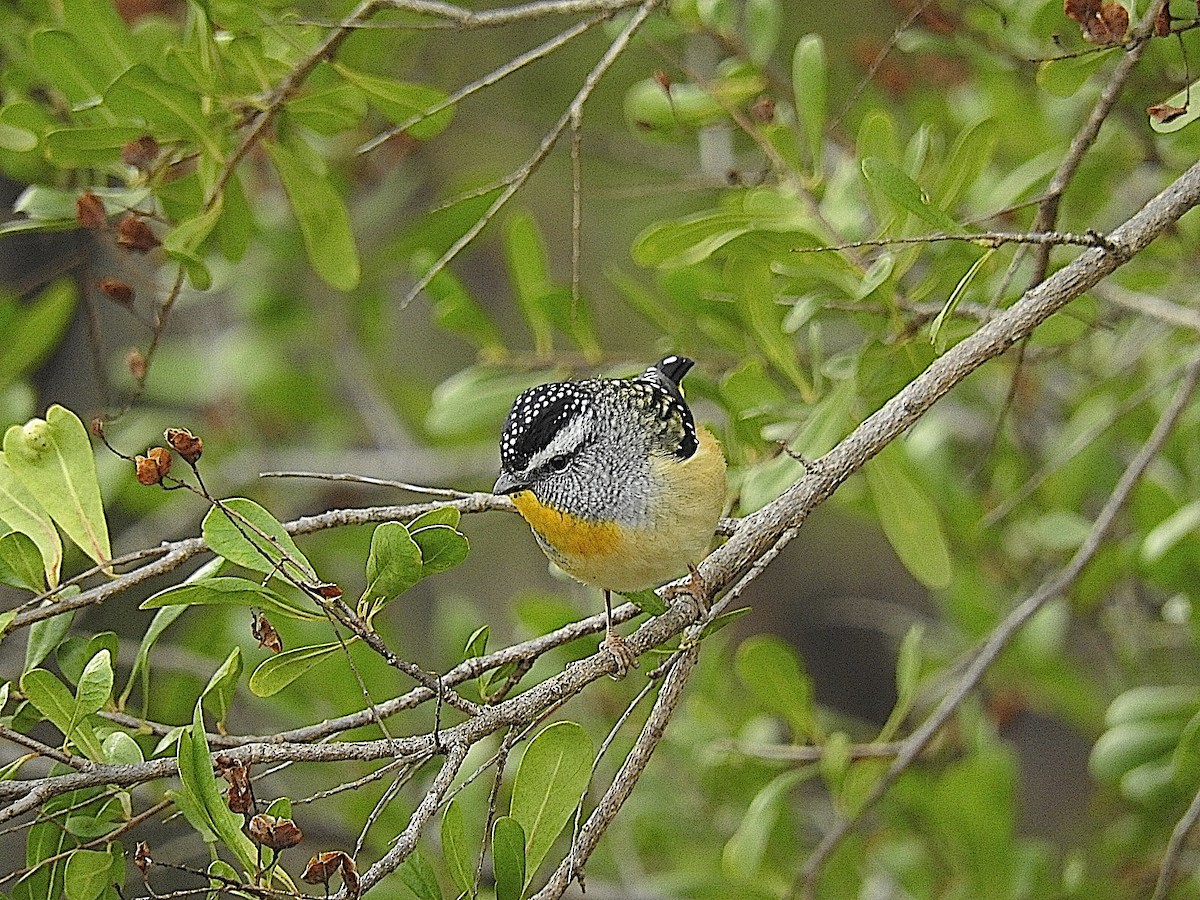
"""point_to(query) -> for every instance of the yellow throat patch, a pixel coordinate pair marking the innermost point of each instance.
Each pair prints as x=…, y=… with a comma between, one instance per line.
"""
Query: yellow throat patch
x=566, y=533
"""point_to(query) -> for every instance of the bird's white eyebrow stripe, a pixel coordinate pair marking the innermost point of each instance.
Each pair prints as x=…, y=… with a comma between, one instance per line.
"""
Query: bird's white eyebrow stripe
x=568, y=439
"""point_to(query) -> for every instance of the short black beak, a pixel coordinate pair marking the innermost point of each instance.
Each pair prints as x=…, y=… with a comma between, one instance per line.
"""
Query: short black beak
x=508, y=484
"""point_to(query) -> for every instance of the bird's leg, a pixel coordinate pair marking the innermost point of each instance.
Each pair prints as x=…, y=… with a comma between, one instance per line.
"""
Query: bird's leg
x=693, y=587
x=615, y=644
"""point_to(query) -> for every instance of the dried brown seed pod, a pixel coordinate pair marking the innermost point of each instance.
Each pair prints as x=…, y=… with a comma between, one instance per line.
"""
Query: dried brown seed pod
x=185, y=444
x=134, y=234
x=89, y=211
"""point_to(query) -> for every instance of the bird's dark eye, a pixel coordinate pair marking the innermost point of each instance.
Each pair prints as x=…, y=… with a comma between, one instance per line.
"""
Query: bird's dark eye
x=559, y=463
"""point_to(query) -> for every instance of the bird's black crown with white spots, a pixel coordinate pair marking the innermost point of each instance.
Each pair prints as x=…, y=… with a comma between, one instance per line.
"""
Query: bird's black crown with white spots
x=653, y=402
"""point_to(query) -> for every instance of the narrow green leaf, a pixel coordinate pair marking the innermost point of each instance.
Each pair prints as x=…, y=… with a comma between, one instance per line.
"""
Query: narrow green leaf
x=455, y=849
x=905, y=193
x=44, y=636
x=323, y=219
x=75, y=653
x=17, y=140
x=910, y=520
x=647, y=601
x=762, y=21
x=528, y=269
x=1063, y=77
x=20, y=511
x=456, y=310
x=83, y=146
x=53, y=458
x=477, y=642
x=33, y=333
x=329, y=109
x=553, y=775
x=141, y=662
x=247, y=535
x=1170, y=531
x=419, y=877
x=174, y=111
x=742, y=855
x=810, y=83
x=441, y=546
x=879, y=272
x=183, y=242
x=277, y=672
x=99, y=26
x=774, y=675
x=394, y=563
x=228, y=590
x=87, y=874
x=51, y=698
x=217, y=695
x=196, y=774
x=509, y=858
x=951, y=304
x=402, y=101
x=66, y=68
x=908, y=672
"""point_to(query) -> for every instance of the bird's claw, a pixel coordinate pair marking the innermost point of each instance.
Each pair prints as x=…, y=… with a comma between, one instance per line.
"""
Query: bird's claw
x=622, y=653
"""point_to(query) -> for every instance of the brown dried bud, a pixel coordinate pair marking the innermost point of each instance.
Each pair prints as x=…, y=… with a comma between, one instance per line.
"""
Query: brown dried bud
x=322, y=866
x=350, y=876
x=1165, y=112
x=146, y=470
x=162, y=457
x=763, y=110
x=329, y=591
x=141, y=857
x=140, y=153
x=663, y=79
x=98, y=426
x=134, y=234
x=136, y=363
x=278, y=834
x=240, y=797
x=117, y=290
x=266, y=635
x=89, y=211
x=185, y=444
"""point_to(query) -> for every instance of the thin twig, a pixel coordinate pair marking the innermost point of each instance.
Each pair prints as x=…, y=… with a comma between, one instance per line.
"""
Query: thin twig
x=1168, y=870
x=448, y=493
x=984, y=238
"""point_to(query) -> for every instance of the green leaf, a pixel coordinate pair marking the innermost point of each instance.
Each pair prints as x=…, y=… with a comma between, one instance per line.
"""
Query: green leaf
x=508, y=858
x=84, y=146
x=951, y=304
x=910, y=519
x=98, y=24
x=200, y=784
x=441, y=546
x=402, y=102
x=1170, y=531
x=227, y=590
x=773, y=674
x=141, y=662
x=17, y=140
x=277, y=672
x=905, y=193
x=95, y=687
x=75, y=653
x=908, y=671
x=122, y=750
x=53, y=458
x=442, y=515
x=247, y=535
x=88, y=873
x=455, y=850
x=419, y=877
x=762, y=21
x=21, y=563
x=173, y=111
x=34, y=329
x=44, y=636
x=722, y=620
x=394, y=563
x=20, y=511
x=647, y=601
x=528, y=269
x=66, y=68
x=553, y=775
x=1185, y=100
x=810, y=84
x=476, y=643
x=217, y=695
x=51, y=698
x=322, y=216
x=1063, y=77
x=742, y=855
x=455, y=310
x=329, y=108
x=182, y=243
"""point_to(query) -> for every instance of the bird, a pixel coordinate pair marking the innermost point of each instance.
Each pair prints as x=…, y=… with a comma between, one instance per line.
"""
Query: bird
x=620, y=486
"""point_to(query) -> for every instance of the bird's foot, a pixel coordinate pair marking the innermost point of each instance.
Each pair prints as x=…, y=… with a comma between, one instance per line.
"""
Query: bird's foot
x=622, y=653
x=694, y=587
